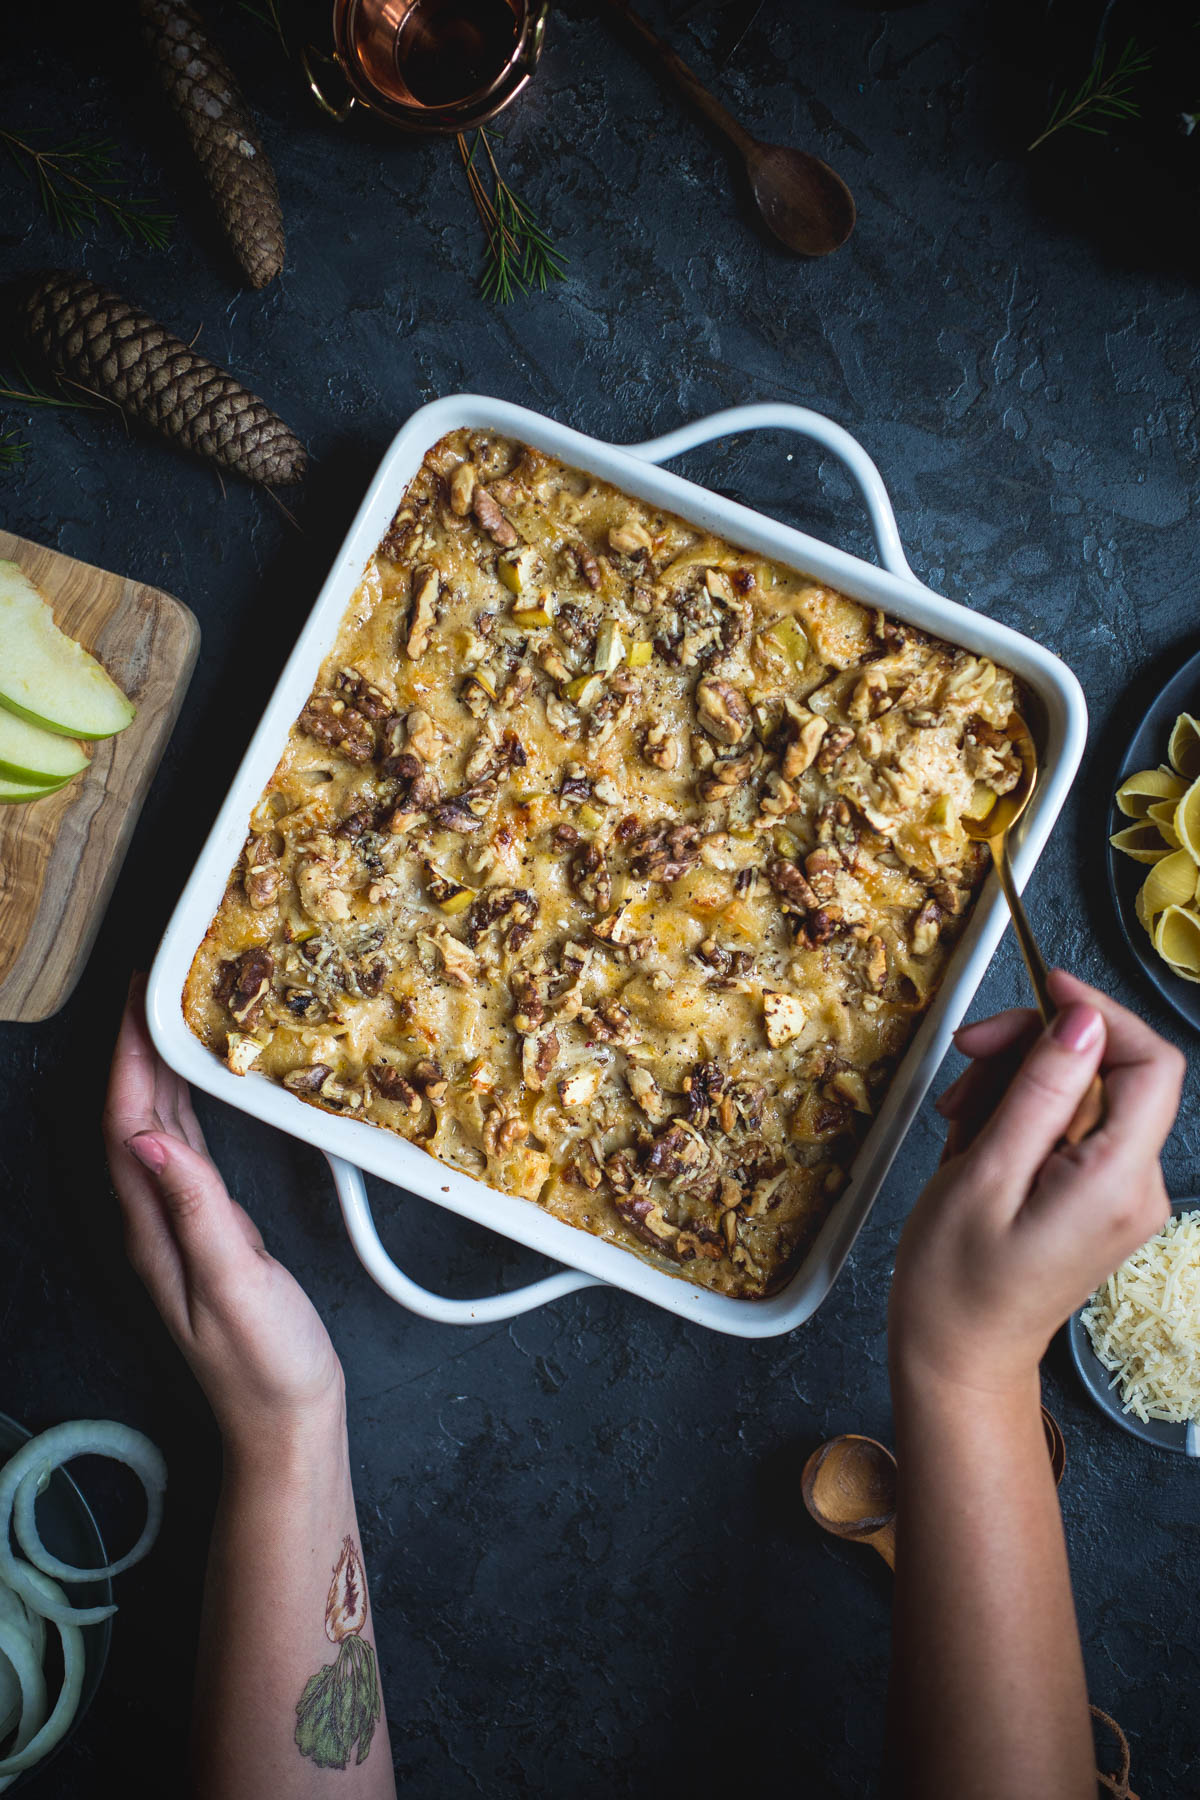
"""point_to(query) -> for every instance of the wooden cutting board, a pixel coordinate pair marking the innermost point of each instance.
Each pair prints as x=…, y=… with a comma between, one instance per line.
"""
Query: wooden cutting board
x=59, y=857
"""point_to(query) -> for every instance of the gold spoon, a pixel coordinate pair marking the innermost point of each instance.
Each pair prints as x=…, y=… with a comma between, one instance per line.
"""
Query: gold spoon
x=993, y=830
x=800, y=199
x=849, y=1487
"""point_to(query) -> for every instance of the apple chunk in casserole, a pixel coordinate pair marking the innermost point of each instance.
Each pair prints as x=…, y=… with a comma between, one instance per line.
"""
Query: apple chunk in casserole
x=608, y=863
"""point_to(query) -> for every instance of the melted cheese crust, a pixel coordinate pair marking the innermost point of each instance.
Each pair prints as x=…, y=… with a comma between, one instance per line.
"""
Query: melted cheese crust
x=609, y=863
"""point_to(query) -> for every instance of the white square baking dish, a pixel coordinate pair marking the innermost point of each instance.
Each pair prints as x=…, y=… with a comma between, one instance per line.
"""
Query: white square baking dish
x=1059, y=721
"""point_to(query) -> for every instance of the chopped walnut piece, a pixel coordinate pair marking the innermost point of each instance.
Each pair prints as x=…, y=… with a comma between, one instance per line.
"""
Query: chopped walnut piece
x=925, y=928
x=647, y=1093
x=991, y=757
x=460, y=965
x=706, y=1096
x=425, y=739
x=590, y=876
x=832, y=747
x=726, y=775
x=263, y=874
x=823, y=868
x=390, y=1084
x=778, y=796
x=308, y=1080
x=663, y=851
x=587, y=565
x=462, y=486
x=803, y=742
x=243, y=985
x=678, y=1150
x=792, y=886
x=784, y=1017
x=427, y=1076
x=723, y=710
x=492, y=520
x=659, y=747
x=426, y=585
x=628, y=538
x=538, y=1054
x=329, y=719
x=530, y=1008
x=875, y=967
x=502, y=1131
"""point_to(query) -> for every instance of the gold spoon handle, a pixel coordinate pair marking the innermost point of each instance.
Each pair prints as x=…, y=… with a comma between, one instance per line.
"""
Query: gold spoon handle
x=1090, y=1110
x=1039, y=975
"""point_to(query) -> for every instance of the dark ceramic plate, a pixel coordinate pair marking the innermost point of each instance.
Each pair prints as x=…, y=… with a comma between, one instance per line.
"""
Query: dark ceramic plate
x=1148, y=748
x=68, y=1531
x=1096, y=1378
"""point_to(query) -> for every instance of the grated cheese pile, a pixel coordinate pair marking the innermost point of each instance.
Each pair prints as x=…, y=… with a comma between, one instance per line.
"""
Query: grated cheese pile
x=1144, y=1324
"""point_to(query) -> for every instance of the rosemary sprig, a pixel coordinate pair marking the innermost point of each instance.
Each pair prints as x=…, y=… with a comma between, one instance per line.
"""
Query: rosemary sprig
x=1102, y=94
x=12, y=450
x=33, y=395
x=75, y=182
x=268, y=14
x=520, y=253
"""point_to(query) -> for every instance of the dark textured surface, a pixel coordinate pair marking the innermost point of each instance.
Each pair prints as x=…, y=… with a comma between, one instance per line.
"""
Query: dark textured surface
x=591, y=1570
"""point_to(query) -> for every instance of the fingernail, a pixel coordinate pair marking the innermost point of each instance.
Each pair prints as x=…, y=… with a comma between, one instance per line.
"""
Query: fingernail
x=149, y=1151
x=1077, y=1027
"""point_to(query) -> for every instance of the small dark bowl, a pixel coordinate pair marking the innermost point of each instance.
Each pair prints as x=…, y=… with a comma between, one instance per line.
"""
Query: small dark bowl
x=68, y=1531
x=1096, y=1379
x=1148, y=748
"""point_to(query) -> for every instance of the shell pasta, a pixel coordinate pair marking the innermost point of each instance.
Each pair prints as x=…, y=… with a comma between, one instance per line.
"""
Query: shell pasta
x=1163, y=806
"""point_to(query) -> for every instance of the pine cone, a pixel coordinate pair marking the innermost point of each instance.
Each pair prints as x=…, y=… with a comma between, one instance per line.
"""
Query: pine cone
x=200, y=86
x=105, y=344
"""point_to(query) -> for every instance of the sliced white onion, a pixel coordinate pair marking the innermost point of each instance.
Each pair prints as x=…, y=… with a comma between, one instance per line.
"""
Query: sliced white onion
x=38, y=1734
x=20, y=1480
x=15, y=1646
x=10, y=1698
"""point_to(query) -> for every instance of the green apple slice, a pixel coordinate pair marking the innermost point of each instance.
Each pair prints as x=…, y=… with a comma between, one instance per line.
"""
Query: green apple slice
x=47, y=678
x=29, y=754
x=12, y=793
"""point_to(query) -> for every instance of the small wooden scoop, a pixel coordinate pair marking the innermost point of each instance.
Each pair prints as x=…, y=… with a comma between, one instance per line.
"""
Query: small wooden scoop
x=849, y=1487
x=801, y=201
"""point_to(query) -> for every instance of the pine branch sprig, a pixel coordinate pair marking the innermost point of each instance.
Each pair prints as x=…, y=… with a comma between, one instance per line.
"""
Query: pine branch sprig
x=1104, y=93
x=13, y=449
x=268, y=14
x=521, y=254
x=78, y=183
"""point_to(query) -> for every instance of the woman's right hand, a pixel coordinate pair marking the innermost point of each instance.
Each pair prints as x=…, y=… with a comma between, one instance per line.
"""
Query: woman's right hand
x=253, y=1338
x=1016, y=1229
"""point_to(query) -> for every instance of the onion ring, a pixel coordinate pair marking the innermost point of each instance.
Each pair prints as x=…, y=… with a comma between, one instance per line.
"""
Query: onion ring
x=38, y=1734
x=18, y=1651
x=19, y=1485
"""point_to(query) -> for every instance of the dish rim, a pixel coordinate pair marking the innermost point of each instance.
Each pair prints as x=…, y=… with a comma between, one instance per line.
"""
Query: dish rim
x=1063, y=730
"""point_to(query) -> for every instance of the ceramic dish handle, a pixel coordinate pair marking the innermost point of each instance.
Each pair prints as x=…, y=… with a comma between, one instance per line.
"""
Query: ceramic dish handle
x=356, y=1211
x=780, y=416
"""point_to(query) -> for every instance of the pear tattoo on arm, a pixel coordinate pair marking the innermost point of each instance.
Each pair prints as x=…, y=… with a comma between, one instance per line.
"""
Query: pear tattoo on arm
x=340, y=1705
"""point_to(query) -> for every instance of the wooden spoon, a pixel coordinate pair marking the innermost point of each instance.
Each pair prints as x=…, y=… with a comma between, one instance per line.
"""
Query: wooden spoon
x=993, y=830
x=849, y=1487
x=802, y=202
